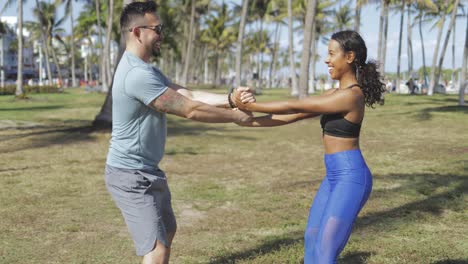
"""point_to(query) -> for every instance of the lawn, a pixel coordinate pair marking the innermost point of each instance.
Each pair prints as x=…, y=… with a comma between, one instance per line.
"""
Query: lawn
x=241, y=195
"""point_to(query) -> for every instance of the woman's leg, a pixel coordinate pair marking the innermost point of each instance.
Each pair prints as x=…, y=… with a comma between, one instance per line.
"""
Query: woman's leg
x=313, y=223
x=345, y=202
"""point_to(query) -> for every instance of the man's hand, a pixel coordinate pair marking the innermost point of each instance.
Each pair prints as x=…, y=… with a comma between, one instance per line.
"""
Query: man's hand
x=243, y=97
x=244, y=94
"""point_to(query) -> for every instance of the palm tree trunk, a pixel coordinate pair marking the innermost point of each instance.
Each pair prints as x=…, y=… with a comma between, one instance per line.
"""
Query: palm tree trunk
x=107, y=53
x=400, y=38
x=384, y=43
x=433, y=82
x=47, y=58
x=357, y=16
x=19, y=83
x=189, y=46
x=410, y=49
x=305, y=60
x=57, y=65
x=216, y=61
x=273, y=58
x=294, y=88
x=422, y=49
x=104, y=119
x=311, y=88
x=72, y=44
x=381, y=29
x=240, y=38
x=102, y=66
x=463, y=81
x=453, y=52
x=2, y=62
x=447, y=38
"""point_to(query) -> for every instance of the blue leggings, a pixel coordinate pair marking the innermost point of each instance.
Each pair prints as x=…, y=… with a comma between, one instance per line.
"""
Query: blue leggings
x=341, y=195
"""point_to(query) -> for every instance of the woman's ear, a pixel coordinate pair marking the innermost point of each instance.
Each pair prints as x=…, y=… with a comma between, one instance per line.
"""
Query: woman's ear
x=350, y=57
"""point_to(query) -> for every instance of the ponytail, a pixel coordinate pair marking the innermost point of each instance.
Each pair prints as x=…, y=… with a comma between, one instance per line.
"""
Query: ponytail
x=370, y=81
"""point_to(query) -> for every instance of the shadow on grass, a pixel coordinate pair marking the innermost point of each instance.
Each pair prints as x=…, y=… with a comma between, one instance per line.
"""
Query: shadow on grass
x=358, y=257
x=426, y=113
x=426, y=184
x=33, y=108
x=451, y=261
x=45, y=138
x=265, y=248
x=183, y=127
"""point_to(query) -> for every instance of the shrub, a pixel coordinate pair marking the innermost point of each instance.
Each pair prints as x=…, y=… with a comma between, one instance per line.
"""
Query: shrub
x=33, y=89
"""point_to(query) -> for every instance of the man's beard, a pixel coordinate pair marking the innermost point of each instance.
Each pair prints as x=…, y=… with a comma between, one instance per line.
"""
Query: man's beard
x=156, y=51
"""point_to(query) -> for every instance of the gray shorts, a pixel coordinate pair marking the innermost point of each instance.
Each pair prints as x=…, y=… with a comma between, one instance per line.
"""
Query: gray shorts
x=145, y=202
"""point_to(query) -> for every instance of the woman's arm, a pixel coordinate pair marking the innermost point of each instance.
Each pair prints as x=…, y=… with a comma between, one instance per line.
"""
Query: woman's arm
x=336, y=102
x=276, y=120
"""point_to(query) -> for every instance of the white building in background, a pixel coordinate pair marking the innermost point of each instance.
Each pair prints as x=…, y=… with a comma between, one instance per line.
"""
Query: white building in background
x=9, y=55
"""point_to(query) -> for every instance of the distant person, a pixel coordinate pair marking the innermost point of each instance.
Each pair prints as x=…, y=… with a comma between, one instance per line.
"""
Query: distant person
x=142, y=95
x=411, y=85
x=348, y=181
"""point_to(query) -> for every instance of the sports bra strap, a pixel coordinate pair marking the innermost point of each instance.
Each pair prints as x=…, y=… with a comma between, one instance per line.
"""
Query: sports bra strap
x=353, y=85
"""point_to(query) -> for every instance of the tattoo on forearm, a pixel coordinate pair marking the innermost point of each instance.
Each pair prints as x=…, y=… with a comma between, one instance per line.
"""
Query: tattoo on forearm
x=170, y=102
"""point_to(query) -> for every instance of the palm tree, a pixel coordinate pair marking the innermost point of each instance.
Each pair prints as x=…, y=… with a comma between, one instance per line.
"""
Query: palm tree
x=322, y=27
x=103, y=120
x=275, y=15
x=188, y=54
x=383, y=30
x=69, y=11
x=102, y=68
x=240, y=38
x=19, y=82
x=305, y=60
x=3, y=30
x=218, y=36
x=51, y=28
x=37, y=34
x=409, y=25
x=294, y=88
x=463, y=81
x=343, y=17
x=259, y=11
x=428, y=7
x=454, y=9
x=441, y=11
x=402, y=13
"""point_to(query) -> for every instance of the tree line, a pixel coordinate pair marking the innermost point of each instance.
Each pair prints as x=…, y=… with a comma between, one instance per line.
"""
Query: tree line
x=206, y=39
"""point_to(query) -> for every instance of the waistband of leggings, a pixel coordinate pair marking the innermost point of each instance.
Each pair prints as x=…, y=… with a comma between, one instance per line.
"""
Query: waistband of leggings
x=348, y=159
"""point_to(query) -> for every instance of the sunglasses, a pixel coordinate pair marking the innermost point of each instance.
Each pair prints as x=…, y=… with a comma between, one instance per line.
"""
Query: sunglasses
x=158, y=29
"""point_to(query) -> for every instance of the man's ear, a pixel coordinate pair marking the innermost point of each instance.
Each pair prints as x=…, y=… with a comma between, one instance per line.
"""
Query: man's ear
x=350, y=57
x=136, y=31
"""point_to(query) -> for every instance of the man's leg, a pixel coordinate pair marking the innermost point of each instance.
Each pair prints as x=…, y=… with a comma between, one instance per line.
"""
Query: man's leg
x=160, y=254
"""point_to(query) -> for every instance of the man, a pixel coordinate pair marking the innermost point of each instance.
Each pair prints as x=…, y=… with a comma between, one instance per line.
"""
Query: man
x=142, y=95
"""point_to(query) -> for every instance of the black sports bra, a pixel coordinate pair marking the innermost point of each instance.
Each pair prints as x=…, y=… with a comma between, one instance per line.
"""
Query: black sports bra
x=338, y=126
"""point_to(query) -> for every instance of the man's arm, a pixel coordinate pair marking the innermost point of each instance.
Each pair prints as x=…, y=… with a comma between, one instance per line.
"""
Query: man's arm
x=218, y=100
x=172, y=102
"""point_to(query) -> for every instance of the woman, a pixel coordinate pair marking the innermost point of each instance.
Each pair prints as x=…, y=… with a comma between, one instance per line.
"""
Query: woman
x=348, y=181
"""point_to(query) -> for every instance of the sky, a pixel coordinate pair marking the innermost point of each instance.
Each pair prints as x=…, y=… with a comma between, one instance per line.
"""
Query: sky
x=369, y=30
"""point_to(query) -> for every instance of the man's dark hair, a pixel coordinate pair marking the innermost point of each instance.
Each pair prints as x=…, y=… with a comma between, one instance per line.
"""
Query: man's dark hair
x=135, y=10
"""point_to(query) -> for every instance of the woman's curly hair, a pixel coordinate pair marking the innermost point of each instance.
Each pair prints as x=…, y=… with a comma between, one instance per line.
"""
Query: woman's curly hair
x=366, y=72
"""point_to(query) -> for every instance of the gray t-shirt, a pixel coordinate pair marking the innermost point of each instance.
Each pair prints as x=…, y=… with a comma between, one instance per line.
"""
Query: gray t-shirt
x=138, y=131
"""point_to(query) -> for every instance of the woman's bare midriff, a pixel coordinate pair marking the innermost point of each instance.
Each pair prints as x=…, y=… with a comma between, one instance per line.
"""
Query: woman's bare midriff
x=336, y=144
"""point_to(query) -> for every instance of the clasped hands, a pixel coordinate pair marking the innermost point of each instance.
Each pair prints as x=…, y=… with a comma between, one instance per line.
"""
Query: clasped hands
x=241, y=97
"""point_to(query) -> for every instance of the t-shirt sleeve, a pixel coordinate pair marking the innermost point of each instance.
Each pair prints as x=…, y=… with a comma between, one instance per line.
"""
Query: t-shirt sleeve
x=145, y=84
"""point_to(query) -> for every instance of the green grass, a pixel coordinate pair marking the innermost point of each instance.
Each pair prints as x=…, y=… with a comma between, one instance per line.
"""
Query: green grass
x=241, y=195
